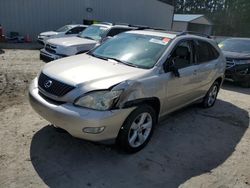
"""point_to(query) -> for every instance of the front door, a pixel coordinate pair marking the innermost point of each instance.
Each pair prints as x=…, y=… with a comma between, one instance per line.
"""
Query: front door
x=179, y=91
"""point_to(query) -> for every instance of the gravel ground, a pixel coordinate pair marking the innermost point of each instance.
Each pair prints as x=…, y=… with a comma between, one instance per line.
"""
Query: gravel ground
x=191, y=148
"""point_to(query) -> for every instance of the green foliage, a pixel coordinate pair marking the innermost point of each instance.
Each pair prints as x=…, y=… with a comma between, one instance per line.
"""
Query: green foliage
x=230, y=17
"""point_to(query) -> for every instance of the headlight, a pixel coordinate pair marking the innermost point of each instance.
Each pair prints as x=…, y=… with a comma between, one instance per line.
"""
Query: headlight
x=242, y=62
x=98, y=100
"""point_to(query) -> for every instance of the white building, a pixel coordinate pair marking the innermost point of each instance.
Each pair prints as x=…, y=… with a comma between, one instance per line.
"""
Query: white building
x=34, y=16
x=192, y=22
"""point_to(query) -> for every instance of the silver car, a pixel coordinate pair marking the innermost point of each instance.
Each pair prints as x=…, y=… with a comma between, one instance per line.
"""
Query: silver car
x=119, y=90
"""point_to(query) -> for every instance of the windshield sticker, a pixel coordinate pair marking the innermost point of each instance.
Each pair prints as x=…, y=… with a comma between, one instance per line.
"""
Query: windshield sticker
x=157, y=41
x=166, y=40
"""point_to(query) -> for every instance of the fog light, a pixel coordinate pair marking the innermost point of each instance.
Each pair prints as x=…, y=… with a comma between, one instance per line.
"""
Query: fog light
x=93, y=130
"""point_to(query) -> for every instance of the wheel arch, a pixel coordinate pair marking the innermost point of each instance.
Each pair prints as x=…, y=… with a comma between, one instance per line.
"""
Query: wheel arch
x=154, y=102
x=219, y=80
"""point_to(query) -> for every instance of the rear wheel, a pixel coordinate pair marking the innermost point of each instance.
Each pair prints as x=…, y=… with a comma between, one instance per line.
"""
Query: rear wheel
x=211, y=96
x=137, y=129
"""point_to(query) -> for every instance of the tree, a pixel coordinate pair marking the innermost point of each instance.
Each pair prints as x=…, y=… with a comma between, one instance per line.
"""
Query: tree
x=230, y=17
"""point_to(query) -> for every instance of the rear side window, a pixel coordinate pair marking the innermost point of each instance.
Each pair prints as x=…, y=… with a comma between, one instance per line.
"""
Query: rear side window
x=214, y=53
x=205, y=52
x=116, y=31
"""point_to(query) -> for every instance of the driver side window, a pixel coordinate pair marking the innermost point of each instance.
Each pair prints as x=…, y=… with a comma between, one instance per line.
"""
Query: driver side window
x=182, y=56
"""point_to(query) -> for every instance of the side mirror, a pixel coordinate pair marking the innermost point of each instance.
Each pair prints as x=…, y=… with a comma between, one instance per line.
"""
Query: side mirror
x=171, y=67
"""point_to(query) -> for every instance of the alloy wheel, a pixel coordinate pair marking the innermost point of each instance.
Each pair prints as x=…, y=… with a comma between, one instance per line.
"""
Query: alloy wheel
x=140, y=130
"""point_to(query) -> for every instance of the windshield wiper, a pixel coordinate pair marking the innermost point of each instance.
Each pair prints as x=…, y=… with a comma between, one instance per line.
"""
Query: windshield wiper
x=123, y=62
x=112, y=58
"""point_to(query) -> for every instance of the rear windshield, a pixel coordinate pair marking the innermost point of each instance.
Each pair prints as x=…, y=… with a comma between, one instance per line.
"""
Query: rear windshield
x=139, y=50
x=235, y=45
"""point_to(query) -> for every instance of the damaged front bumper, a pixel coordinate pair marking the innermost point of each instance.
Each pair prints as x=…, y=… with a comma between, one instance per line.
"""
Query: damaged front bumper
x=78, y=121
x=239, y=73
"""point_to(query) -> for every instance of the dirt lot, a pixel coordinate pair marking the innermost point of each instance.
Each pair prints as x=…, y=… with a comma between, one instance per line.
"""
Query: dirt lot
x=191, y=148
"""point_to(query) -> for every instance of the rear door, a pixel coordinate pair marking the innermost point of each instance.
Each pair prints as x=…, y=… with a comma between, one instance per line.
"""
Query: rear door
x=207, y=58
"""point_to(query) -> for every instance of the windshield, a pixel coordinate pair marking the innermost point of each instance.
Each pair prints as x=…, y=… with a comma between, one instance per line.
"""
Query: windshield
x=93, y=32
x=138, y=50
x=235, y=45
x=63, y=29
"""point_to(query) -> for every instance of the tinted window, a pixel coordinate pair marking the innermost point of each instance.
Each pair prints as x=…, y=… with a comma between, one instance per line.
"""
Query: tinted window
x=76, y=30
x=214, y=54
x=133, y=49
x=205, y=52
x=182, y=55
x=116, y=31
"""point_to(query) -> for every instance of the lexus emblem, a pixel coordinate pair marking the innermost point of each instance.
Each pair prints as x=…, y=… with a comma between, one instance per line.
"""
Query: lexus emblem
x=48, y=84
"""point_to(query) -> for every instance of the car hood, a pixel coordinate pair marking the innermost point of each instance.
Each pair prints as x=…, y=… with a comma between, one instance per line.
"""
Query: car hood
x=49, y=33
x=87, y=70
x=236, y=55
x=71, y=41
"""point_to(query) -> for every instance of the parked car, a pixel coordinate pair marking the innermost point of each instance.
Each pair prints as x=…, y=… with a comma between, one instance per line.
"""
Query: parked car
x=237, y=53
x=67, y=30
x=120, y=89
x=88, y=39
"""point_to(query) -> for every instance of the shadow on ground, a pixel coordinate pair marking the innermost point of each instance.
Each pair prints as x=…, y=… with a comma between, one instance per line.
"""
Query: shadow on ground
x=188, y=143
x=231, y=86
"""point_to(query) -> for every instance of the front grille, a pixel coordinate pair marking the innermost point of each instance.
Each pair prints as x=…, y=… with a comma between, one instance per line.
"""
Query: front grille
x=51, y=49
x=230, y=63
x=51, y=100
x=53, y=86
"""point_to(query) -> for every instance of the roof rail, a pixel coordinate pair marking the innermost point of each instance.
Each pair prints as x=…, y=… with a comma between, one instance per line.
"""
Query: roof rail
x=194, y=33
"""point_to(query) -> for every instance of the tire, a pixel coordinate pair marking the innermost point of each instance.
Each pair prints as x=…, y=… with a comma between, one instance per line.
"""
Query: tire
x=211, y=96
x=135, y=133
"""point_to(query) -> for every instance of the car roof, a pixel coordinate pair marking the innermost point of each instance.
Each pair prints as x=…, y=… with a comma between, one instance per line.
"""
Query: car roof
x=114, y=25
x=170, y=34
x=154, y=33
x=77, y=25
x=103, y=25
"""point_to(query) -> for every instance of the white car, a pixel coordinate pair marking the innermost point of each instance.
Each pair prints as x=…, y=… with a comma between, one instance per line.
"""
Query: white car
x=67, y=30
x=92, y=36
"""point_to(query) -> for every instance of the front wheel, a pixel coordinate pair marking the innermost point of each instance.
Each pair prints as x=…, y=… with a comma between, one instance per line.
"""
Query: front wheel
x=137, y=129
x=211, y=96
